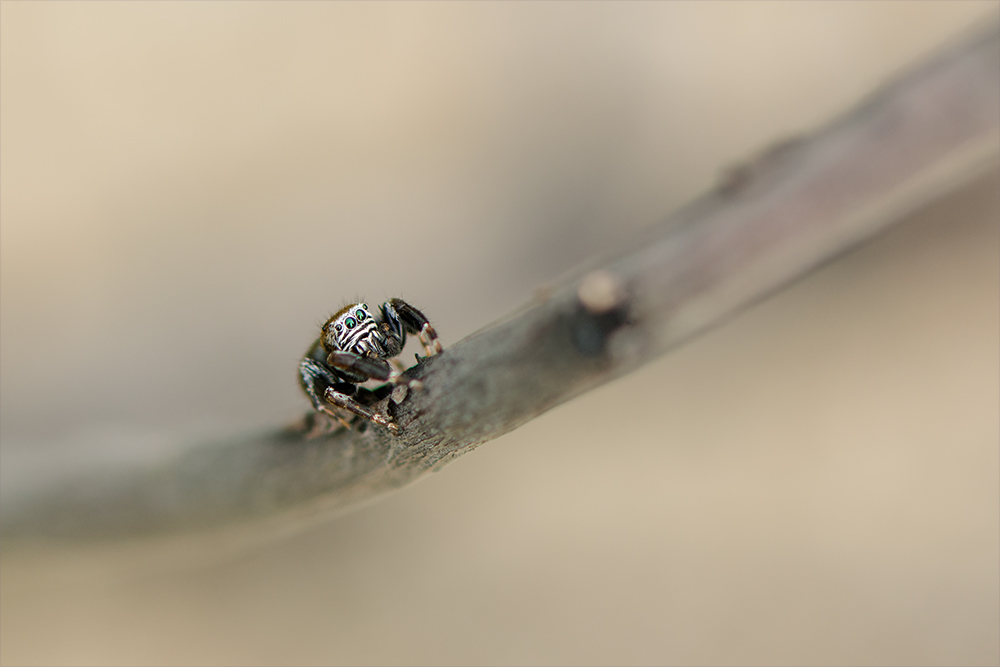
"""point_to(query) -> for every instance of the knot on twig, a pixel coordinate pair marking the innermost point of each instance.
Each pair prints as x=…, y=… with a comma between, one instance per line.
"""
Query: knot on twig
x=602, y=308
x=600, y=292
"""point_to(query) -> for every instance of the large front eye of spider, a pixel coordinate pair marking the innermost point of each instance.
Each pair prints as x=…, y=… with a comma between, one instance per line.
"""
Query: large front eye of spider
x=361, y=314
x=350, y=322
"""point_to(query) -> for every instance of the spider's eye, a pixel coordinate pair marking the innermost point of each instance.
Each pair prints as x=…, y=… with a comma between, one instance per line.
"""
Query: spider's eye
x=360, y=314
x=350, y=322
x=338, y=327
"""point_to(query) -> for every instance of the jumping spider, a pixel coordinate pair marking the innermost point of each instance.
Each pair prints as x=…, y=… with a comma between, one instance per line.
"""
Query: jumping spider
x=354, y=347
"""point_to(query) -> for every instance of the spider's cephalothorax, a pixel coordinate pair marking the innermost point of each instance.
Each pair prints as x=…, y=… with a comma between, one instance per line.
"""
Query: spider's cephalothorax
x=353, y=348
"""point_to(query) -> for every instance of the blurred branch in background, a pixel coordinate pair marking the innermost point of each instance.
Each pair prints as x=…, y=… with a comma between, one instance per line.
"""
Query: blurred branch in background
x=768, y=222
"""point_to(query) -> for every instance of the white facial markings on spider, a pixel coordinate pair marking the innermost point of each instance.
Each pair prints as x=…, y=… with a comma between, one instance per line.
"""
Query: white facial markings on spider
x=353, y=347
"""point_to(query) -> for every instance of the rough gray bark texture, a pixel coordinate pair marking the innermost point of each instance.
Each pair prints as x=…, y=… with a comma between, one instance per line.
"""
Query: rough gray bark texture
x=767, y=223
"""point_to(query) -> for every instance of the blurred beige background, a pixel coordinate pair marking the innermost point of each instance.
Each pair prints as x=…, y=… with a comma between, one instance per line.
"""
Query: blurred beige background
x=189, y=189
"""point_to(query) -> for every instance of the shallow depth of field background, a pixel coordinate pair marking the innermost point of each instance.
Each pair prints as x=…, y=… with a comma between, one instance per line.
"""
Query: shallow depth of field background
x=188, y=190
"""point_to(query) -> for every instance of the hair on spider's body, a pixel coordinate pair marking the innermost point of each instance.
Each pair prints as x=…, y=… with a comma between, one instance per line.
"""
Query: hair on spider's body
x=355, y=345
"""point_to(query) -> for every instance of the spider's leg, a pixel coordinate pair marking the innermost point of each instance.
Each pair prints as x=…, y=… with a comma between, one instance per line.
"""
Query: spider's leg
x=346, y=402
x=314, y=379
x=356, y=366
x=416, y=323
x=366, y=368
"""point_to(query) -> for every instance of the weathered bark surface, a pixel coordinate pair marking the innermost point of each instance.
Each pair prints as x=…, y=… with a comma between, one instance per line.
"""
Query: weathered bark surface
x=769, y=222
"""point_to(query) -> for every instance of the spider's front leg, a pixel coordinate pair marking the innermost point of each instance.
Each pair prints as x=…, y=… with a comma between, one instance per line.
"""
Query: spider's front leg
x=347, y=402
x=314, y=378
x=360, y=369
x=417, y=323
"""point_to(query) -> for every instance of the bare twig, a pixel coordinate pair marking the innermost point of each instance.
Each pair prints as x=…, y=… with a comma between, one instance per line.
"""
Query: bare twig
x=769, y=222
